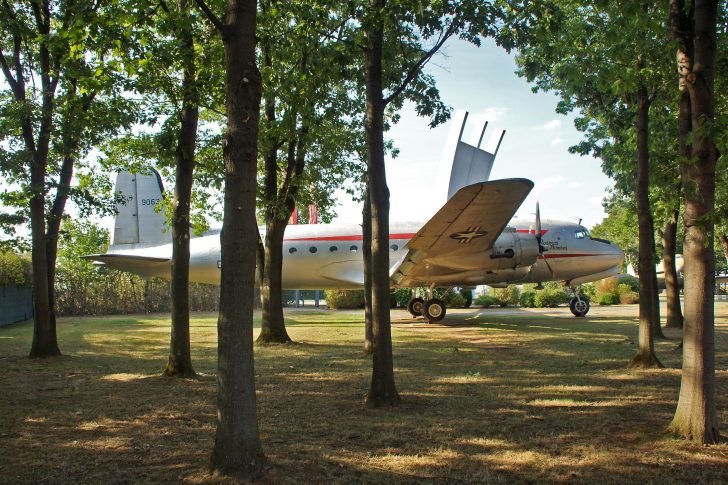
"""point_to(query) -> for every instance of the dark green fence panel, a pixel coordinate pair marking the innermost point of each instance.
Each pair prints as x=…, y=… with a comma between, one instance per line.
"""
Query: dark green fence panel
x=16, y=304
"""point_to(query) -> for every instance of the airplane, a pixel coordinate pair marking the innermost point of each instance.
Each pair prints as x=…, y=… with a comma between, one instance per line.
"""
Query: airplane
x=471, y=240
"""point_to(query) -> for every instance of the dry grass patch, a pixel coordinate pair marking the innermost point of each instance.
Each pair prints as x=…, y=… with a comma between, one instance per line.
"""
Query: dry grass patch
x=489, y=397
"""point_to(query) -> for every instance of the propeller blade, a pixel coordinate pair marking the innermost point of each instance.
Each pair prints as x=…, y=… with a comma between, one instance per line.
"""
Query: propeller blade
x=538, y=223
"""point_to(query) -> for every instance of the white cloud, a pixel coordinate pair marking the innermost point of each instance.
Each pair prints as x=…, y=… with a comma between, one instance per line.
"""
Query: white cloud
x=597, y=200
x=552, y=125
x=557, y=141
x=575, y=184
x=545, y=184
x=491, y=114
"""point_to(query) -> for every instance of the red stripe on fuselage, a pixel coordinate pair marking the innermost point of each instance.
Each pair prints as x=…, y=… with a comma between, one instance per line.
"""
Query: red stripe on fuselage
x=568, y=255
x=532, y=231
x=355, y=237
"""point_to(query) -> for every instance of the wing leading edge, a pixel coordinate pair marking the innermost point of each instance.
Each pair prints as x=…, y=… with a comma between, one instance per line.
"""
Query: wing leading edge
x=468, y=224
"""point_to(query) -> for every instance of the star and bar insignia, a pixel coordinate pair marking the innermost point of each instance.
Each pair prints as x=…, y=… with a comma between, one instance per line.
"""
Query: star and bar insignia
x=466, y=236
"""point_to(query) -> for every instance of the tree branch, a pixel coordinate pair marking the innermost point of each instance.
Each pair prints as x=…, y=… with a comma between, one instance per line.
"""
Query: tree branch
x=417, y=67
x=211, y=15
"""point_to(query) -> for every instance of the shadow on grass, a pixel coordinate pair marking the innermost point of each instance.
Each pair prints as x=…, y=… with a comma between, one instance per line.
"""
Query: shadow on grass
x=503, y=400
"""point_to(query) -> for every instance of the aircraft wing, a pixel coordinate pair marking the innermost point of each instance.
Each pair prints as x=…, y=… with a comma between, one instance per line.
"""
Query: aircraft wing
x=465, y=226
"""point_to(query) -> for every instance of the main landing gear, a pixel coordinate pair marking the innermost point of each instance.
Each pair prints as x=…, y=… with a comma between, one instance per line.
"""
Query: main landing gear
x=578, y=305
x=433, y=310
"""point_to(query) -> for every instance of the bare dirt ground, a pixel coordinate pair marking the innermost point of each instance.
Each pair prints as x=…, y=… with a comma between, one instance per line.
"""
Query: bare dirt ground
x=489, y=396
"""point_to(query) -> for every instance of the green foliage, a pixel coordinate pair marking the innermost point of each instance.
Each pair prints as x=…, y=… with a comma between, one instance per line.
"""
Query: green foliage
x=588, y=291
x=468, y=295
x=15, y=269
x=344, y=299
x=450, y=297
x=632, y=282
x=486, y=301
x=401, y=297
x=629, y=297
x=85, y=289
x=609, y=299
x=528, y=299
x=553, y=295
x=506, y=296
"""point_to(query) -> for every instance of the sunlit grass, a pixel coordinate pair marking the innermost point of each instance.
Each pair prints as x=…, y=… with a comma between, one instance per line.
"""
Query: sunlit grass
x=488, y=397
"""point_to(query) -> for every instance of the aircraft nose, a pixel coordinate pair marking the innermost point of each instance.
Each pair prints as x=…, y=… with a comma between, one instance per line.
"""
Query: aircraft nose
x=617, y=255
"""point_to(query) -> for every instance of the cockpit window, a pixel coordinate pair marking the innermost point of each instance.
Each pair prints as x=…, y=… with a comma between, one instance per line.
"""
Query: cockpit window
x=582, y=233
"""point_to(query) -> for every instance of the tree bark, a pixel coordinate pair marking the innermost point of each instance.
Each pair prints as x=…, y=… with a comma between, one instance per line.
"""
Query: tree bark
x=366, y=248
x=724, y=244
x=672, y=285
x=382, y=390
x=648, y=279
x=273, y=328
x=45, y=341
x=179, y=362
x=695, y=417
x=237, y=450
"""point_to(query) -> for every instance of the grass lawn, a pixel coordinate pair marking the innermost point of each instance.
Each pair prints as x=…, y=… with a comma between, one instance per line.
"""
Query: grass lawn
x=490, y=396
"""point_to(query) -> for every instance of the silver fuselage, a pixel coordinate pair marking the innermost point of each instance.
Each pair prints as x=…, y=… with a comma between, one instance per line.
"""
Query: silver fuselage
x=319, y=256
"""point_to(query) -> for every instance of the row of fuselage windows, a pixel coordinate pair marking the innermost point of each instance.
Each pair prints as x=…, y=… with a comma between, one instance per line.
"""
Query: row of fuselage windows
x=332, y=249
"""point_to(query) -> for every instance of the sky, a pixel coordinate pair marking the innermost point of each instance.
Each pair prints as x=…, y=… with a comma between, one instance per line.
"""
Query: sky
x=483, y=82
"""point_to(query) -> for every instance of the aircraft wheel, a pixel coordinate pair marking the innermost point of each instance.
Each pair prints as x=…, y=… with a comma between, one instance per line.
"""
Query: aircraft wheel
x=434, y=310
x=579, y=306
x=415, y=306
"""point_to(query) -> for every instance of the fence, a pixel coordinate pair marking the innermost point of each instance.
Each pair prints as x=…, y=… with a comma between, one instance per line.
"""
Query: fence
x=16, y=304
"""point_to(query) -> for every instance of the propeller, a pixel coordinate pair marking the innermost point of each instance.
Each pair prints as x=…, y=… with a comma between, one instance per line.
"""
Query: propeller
x=539, y=236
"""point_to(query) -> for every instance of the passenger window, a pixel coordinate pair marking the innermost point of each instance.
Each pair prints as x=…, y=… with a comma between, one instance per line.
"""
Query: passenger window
x=353, y=249
x=394, y=247
x=333, y=249
x=292, y=250
x=312, y=249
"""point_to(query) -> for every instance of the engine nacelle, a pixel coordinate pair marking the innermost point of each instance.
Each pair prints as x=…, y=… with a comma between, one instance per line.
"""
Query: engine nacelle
x=513, y=250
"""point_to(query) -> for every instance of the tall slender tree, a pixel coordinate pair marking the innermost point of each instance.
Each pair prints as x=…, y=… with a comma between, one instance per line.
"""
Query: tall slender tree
x=308, y=138
x=695, y=25
x=56, y=58
x=237, y=450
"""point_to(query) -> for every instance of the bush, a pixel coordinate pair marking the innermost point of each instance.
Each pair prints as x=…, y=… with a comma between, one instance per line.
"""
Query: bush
x=553, y=295
x=344, y=299
x=607, y=285
x=468, y=295
x=588, y=291
x=486, y=301
x=629, y=297
x=631, y=281
x=609, y=299
x=14, y=269
x=450, y=298
x=506, y=296
x=528, y=299
x=401, y=297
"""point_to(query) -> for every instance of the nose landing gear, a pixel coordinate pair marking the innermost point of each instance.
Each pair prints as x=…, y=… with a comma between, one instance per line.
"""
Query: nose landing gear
x=578, y=305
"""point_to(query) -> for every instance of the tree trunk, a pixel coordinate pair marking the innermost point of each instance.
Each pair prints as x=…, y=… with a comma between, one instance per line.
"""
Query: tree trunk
x=724, y=244
x=45, y=342
x=695, y=417
x=366, y=248
x=382, y=390
x=648, y=280
x=237, y=450
x=273, y=329
x=672, y=285
x=180, y=360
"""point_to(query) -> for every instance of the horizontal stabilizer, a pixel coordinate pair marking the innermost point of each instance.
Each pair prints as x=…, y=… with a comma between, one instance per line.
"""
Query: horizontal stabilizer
x=142, y=265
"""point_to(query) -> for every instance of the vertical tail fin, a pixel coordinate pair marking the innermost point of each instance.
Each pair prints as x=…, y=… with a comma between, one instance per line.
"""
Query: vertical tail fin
x=137, y=222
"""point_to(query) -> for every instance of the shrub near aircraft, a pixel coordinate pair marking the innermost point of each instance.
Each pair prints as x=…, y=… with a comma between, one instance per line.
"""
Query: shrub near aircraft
x=470, y=241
